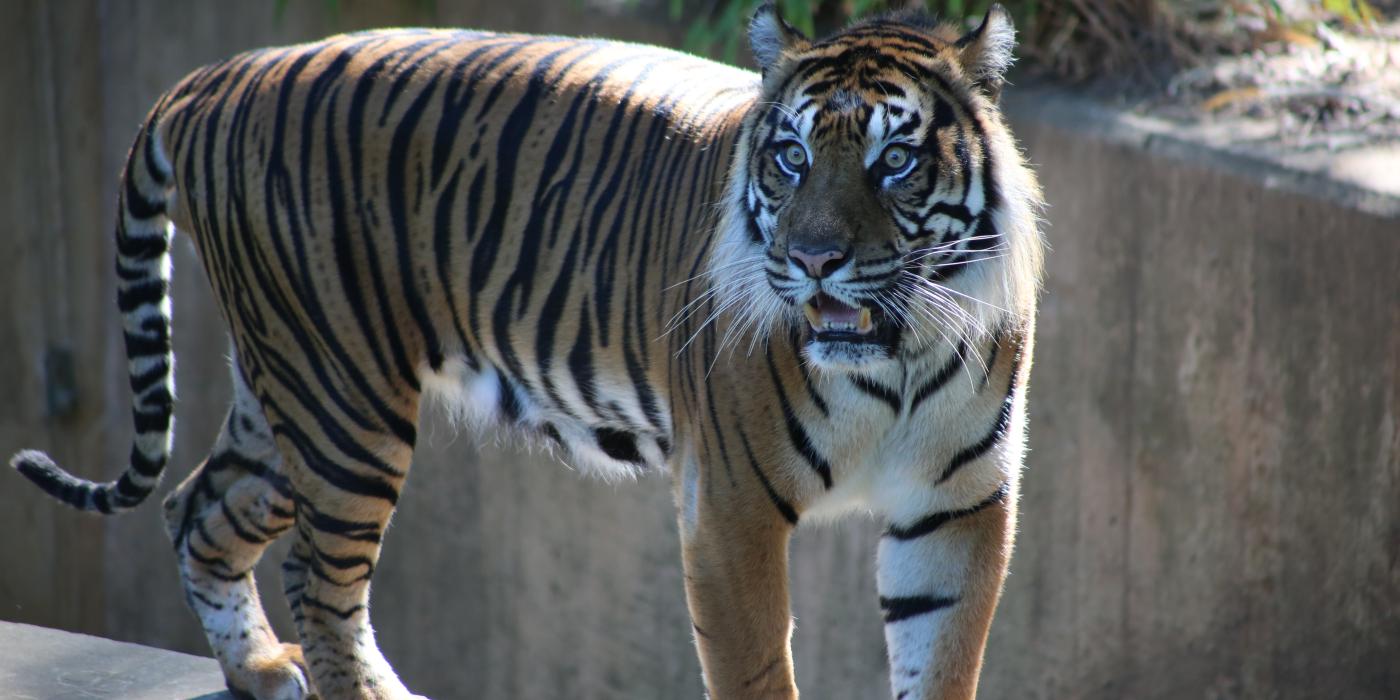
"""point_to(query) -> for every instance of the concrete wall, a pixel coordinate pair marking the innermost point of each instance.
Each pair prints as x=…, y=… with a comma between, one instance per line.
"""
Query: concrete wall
x=1211, y=507
x=1213, y=496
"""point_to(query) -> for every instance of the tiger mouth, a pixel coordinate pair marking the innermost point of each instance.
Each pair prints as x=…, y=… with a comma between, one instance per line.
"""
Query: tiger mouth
x=832, y=320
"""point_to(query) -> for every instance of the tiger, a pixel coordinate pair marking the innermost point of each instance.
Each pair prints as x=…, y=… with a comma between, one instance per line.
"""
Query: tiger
x=806, y=292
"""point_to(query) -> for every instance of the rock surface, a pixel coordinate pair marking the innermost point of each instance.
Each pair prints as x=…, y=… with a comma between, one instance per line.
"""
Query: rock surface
x=46, y=664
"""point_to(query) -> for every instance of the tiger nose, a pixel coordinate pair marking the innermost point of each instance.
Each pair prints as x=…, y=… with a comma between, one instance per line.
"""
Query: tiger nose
x=818, y=263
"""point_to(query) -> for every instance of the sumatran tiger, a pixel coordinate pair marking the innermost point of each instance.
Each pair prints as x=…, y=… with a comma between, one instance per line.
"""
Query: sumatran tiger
x=806, y=292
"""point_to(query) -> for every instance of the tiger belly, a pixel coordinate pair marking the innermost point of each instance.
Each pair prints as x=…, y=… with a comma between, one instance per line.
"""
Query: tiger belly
x=486, y=400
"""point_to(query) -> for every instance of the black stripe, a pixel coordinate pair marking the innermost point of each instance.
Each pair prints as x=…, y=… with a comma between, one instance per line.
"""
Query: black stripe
x=237, y=527
x=201, y=598
x=348, y=529
x=789, y=514
x=991, y=360
x=343, y=563
x=812, y=392
x=137, y=205
x=993, y=436
x=796, y=433
x=152, y=163
x=332, y=473
x=345, y=614
x=581, y=359
x=342, y=244
x=397, y=192
x=212, y=566
x=141, y=346
x=145, y=380
x=903, y=608
x=457, y=98
x=146, y=466
x=151, y=291
x=933, y=521
x=407, y=376
x=127, y=492
x=957, y=212
x=877, y=390
x=147, y=247
x=939, y=379
x=443, y=233
x=151, y=421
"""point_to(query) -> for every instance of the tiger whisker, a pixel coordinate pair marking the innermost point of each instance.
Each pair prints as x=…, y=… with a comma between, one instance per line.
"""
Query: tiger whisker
x=937, y=321
x=938, y=315
x=711, y=272
x=956, y=263
x=944, y=288
x=722, y=288
x=739, y=283
x=920, y=253
x=949, y=308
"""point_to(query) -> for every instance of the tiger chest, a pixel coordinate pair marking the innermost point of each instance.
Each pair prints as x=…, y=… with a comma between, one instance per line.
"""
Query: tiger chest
x=884, y=438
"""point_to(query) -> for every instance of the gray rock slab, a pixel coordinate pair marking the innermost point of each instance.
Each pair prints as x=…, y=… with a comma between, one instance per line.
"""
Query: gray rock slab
x=46, y=664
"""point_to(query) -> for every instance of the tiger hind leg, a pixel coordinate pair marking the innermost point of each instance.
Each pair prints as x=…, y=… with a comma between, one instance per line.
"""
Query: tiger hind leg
x=327, y=576
x=221, y=519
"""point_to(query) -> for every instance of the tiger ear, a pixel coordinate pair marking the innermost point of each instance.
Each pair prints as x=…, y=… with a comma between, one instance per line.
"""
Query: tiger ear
x=986, y=52
x=770, y=37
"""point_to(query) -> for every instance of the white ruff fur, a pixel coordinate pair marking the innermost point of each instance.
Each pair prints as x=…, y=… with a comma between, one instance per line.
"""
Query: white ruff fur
x=472, y=399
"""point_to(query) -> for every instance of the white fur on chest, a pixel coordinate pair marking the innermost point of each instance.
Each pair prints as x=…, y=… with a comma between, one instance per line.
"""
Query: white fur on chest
x=887, y=463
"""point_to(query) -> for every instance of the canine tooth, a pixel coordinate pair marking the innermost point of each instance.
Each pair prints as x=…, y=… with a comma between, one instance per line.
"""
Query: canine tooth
x=813, y=316
x=865, y=325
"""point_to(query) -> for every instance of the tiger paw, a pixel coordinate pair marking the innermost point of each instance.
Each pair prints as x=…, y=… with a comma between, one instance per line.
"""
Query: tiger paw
x=278, y=676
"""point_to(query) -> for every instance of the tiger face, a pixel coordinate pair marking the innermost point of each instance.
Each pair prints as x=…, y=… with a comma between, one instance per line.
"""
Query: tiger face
x=865, y=183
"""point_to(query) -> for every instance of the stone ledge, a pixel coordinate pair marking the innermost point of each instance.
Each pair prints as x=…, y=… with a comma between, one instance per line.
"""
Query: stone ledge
x=45, y=664
x=1366, y=179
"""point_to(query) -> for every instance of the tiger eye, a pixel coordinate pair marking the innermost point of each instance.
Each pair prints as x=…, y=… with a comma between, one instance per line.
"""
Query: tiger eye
x=794, y=156
x=896, y=157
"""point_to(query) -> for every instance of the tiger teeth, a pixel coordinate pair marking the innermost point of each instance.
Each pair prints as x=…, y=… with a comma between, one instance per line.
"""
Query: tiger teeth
x=864, y=322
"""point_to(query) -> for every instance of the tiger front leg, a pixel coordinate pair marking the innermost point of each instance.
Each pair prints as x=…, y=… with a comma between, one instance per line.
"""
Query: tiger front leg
x=939, y=575
x=735, y=549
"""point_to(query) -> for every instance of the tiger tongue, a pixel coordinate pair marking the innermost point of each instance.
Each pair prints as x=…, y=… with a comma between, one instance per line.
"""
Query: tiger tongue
x=825, y=314
x=833, y=311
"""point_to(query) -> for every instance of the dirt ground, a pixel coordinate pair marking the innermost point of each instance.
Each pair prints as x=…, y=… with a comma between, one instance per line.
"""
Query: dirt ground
x=1327, y=91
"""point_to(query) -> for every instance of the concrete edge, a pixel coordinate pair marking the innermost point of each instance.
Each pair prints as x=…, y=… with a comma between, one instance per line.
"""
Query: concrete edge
x=1083, y=115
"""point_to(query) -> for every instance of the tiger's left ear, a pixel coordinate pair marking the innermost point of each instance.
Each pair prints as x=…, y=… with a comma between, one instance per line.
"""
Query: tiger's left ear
x=770, y=37
x=986, y=52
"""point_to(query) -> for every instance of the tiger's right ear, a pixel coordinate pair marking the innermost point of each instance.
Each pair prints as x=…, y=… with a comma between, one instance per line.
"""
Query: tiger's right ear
x=770, y=37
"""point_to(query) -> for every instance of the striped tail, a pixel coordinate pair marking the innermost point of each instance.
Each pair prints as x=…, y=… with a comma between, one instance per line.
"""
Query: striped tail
x=143, y=295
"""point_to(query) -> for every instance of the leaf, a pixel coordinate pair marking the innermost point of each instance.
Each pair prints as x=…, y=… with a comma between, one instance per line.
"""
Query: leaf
x=1225, y=98
x=860, y=8
x=799, y=13
x=1352, y=11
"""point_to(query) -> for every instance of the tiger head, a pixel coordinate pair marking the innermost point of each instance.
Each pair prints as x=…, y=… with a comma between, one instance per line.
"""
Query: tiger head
x=877, y=205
